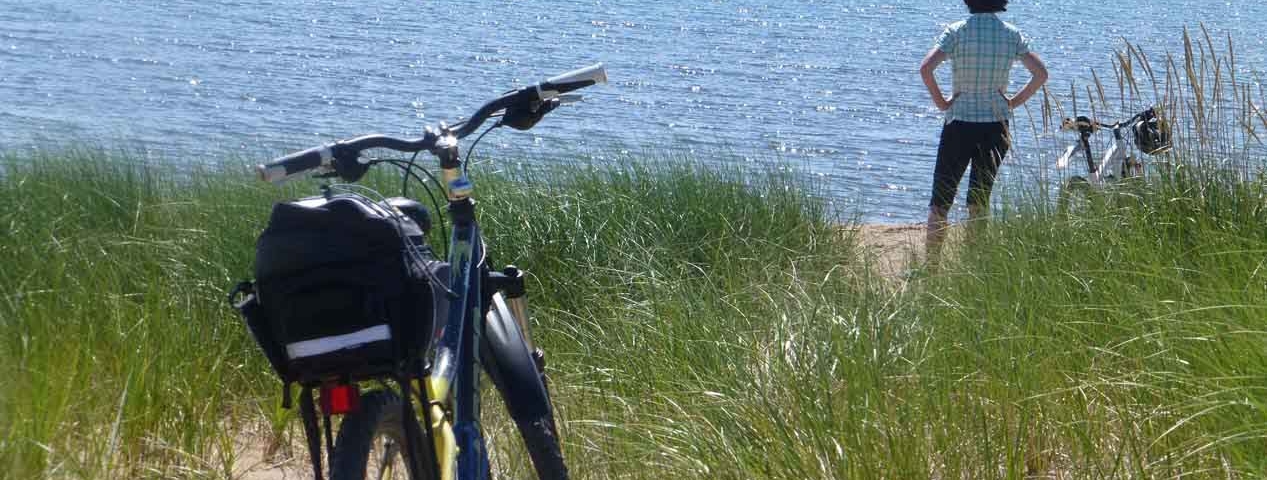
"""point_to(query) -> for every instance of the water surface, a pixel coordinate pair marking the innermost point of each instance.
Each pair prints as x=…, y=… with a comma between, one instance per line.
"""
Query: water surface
x=829, y=88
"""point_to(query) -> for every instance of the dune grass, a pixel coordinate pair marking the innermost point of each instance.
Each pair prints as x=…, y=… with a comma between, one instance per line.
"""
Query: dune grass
x=119, y=356
x=696, y=327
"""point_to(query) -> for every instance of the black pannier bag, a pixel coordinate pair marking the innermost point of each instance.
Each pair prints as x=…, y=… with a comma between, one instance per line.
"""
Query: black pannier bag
x=335, y=296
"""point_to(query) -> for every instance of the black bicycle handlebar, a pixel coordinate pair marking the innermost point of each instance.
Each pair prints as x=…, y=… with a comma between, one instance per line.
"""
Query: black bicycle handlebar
x=340, y=157
x=545, y=91
x=283, y=168
x=335, y=157
x=571, y=81
x=1089, y=125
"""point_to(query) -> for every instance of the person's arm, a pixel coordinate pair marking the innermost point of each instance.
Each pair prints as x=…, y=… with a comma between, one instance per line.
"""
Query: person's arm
x=1038, y=77
x=926, y=68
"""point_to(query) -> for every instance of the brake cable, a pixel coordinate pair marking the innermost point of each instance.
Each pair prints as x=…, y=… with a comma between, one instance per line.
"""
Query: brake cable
x=470, y=152
x=435, y=204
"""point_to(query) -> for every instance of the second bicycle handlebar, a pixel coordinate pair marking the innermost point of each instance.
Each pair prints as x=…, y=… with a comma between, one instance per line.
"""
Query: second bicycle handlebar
x=1086, y=124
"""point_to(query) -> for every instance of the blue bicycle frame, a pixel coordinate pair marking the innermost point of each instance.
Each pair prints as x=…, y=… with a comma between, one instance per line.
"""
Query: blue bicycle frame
x=461, y=349
x=455, y=363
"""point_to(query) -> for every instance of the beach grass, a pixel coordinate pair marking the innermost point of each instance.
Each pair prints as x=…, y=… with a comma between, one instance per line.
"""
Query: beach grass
x=698, y=322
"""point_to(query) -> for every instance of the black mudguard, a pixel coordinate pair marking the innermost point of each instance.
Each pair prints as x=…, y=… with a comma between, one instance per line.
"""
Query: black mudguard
x=510, y=365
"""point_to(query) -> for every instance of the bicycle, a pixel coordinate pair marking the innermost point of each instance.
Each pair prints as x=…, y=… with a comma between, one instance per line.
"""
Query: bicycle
x=478, y=315
x=1151, y=135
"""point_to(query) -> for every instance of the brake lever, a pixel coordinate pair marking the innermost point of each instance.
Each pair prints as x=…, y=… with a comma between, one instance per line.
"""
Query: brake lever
x=524, y=117
x=347, y=165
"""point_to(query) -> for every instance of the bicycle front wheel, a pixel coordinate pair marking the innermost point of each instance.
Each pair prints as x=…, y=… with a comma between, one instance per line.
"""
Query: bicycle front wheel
x=371, y=442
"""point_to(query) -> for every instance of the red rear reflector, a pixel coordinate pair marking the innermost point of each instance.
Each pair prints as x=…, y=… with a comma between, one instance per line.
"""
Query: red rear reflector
x=340, y=399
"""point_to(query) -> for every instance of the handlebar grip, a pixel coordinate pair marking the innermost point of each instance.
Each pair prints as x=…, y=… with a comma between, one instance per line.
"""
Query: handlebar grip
x=284, y=168
x=570, y=81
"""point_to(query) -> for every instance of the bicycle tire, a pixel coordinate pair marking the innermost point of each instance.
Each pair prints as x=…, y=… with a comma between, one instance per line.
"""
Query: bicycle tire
x=542, y=441
x=1075, y=190
x=379, y=414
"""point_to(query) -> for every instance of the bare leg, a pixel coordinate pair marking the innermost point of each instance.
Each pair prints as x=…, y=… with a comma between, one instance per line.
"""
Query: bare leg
x=935, y=235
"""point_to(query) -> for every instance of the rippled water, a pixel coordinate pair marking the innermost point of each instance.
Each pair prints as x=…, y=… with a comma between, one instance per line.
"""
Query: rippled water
x=829, y=88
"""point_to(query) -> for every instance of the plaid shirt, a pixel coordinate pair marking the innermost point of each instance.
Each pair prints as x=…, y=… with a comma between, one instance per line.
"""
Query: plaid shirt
x=981, y=51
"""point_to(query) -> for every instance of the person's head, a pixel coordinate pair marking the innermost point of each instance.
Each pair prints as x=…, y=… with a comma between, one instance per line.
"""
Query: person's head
x=986, y=6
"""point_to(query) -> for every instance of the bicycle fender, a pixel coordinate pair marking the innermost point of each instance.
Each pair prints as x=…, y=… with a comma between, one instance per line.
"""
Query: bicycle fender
x=509, y=364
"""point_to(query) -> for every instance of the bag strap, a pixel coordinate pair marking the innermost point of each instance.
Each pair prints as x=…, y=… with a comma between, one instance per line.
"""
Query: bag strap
x=286, y=402
x=308, y=412
x=416, y=441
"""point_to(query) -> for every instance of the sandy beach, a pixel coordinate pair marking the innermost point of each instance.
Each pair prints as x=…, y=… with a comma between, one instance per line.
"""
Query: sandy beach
x=890, y=248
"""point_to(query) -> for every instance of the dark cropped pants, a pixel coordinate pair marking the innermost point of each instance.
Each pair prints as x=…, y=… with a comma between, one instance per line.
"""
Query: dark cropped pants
x=981, y=145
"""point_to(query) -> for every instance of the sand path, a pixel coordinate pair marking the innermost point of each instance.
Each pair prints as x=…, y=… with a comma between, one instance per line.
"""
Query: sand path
x=890, y=249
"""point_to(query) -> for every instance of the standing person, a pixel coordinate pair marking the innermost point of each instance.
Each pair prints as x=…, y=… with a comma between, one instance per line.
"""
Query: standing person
x=981, y=50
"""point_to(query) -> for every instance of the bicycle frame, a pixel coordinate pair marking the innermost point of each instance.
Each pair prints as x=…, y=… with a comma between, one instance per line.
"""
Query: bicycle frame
x=1117, y=160
x=456, y=360
x=455, y=363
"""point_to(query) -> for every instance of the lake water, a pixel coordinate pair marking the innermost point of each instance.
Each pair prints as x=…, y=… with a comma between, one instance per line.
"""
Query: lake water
x=827, y=87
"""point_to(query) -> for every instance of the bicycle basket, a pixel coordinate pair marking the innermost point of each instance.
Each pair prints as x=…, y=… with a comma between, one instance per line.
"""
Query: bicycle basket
x=335, y=295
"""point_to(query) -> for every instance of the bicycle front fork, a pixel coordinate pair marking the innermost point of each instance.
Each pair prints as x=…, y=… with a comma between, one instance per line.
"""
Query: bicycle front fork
x=510, y=282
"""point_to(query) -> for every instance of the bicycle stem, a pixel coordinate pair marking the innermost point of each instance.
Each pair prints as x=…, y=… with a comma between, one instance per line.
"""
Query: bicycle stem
x=1085, y=137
